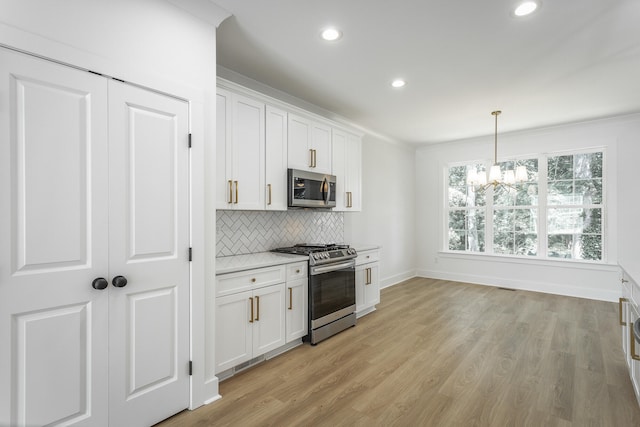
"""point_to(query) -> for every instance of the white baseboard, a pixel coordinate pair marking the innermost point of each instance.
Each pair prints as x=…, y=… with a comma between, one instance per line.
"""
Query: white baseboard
x=525, y=285
x=398, y=278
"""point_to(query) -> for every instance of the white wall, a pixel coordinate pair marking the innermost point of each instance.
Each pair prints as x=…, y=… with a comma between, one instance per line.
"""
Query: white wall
x=629, y=200
x=156, y=44
x=388, y=208
x=596, y=281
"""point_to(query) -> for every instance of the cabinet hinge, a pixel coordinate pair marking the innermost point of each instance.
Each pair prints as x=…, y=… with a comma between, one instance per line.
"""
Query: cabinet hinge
x=189, y=140
x=190, y=254
x=190, y=367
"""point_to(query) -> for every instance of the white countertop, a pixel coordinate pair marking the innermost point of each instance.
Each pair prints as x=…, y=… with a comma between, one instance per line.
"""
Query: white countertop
x=234, y=263
x=231, y=264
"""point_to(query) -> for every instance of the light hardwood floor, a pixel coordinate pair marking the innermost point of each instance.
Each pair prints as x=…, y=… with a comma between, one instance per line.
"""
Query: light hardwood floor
x=440, y=353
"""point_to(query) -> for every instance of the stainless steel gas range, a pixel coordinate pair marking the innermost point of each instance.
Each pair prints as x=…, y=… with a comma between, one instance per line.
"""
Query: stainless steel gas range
x=332, y=288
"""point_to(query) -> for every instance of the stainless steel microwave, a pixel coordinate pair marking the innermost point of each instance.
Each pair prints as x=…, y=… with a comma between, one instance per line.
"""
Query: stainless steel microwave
x=310, y=190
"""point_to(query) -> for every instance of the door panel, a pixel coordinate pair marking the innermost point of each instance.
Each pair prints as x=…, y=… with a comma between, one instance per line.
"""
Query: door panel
x=234, y=321
x=53, y=240
x=248, y=153
x=151, y=160
x=269, y=327
x=151, y=347
x=149, y=241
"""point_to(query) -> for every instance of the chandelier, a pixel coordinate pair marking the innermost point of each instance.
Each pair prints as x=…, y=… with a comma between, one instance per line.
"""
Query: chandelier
x=495, y=178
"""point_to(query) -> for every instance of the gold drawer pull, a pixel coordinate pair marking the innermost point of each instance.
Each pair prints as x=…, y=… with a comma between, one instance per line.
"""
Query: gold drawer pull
x=236, y=182
x=290, y=298
x=620, y=302
x=269, y=194
x=298, y=270
x=230, y=192
x=634, y=356
x=258, y=308
x=253, y=280
x=251, y=302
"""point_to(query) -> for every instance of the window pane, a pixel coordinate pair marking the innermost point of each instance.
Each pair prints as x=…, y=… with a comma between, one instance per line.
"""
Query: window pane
x=591, y=247
x=575, y=233
x=588, y=165
x=457, y=220
x=592, y=221
x=526, y=220
x=590, y=191
x=526, y=244
x=560, y=245
x=457, y=240
x=457, y=176
x=527, y=194
x=560, y=193
x=560, y=167
x=503, y=243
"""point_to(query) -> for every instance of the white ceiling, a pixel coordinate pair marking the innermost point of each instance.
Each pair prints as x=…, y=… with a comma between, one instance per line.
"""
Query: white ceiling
x=572, y=60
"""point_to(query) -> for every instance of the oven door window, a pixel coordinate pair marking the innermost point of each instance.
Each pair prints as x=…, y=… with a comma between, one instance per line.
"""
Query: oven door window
x=332, y=292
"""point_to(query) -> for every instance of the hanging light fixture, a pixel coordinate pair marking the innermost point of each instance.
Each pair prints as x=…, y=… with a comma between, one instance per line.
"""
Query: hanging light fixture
x=495, y=179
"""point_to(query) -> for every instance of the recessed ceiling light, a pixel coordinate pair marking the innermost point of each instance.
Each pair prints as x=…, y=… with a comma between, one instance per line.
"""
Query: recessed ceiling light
x=331, y=34
x=398, y=83
x=525, y=8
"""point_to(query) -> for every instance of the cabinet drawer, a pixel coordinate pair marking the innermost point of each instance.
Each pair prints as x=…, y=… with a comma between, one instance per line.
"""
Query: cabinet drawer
x=227, y=284
x=366, y=257
x=296, y=271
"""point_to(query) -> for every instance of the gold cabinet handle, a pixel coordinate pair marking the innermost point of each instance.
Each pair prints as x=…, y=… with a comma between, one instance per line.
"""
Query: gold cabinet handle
x=290, y=298
x=253, y=280
x=634, y=356
x=315, y=158
x=251, y=302
x=310, y=157
x=230, y=192
x=623, y=280
x=620, y=302
x=257, y=308
x=268, y=194
x=236, y=182
x=298, y=270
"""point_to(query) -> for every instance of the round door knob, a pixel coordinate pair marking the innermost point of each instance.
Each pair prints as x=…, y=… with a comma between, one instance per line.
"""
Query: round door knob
x=119, y=281
x=100, y=283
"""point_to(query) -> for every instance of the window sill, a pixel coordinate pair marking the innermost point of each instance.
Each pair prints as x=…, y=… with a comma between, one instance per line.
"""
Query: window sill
x=546, y=262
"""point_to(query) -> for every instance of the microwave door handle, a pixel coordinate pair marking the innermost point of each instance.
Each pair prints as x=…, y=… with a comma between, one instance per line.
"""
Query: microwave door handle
x=328, y=192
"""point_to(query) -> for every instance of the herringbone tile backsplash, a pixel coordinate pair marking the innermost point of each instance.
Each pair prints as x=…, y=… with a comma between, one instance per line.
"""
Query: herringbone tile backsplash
x=245, y=232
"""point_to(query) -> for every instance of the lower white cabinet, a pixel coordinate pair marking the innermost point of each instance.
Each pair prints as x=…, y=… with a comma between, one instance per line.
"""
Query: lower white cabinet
x=629, y=313
x=367, y=281
x=296, y=318
x=249, y=324
x=258, y=311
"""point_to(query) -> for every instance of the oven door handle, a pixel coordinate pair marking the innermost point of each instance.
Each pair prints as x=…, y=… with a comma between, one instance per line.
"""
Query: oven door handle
x=332, y=267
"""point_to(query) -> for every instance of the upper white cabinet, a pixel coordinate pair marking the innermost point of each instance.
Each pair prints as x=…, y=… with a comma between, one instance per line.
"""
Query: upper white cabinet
x=309, y=146
x=347, y=167
x=258, y=138
x=276, y=159
x=240, y=152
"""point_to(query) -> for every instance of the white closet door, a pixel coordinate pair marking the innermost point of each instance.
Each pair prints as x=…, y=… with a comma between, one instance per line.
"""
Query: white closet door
x=149, y=242
x=53, y=242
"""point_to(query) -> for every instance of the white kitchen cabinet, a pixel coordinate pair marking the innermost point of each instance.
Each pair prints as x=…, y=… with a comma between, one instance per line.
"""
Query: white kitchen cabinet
x=309, y=145
x=240, y=150
x=276, y=159
x=347, y=167
x=296, y=301
x=628, y=313
x=250, y=315
x=367, y=281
